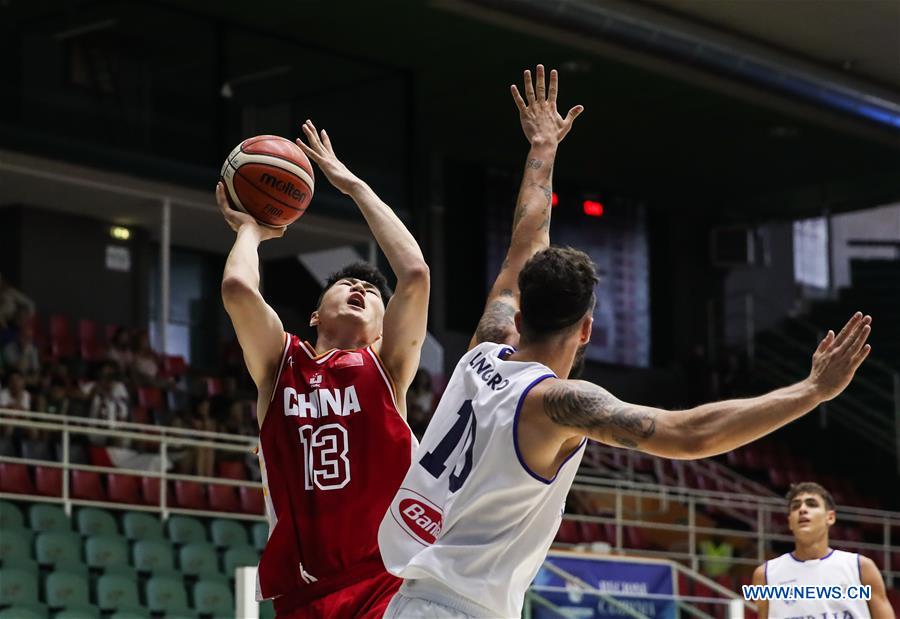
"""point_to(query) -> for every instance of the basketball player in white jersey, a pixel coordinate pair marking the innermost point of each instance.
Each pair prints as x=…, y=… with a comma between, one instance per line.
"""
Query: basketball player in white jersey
x=483, y=499
x=814, y=563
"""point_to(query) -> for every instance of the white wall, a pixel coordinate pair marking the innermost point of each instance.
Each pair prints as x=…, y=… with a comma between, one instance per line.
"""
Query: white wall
x=882, y=223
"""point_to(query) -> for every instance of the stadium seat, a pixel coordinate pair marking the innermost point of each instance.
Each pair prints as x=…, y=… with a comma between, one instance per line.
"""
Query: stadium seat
x=190, y=495
x=252, y=500
x=590, y=532
x=150, y=490
x=239, y=556
x=10, y=516
x=27, y=565
x=43, y=517
x=150, y=398
x=52, y=547
x=568, y=532
x=23, y=612
x=123, y=488
x=185, y=530
x=86, y=485
x=62, y=347
x=82, y=611
x=88, y=331
x=150, y=555
x=260, y=532
x=228, y=533
x=214, y=387
x=266, y=610
x=198, y=559
x=174, y=366
x=166, y=595
x=93, y=521
x=14, y=478
x=106, y=551
x=48, y=480
x=72, y=566
x=213, y=598
x=231, y=469
x=18, y=587
x=223, y=498
x=131, y=613
x=139, y=414
x=15, y=545
x=116, y=592
x=64, y=590
x=140, y=526
x=59, y=325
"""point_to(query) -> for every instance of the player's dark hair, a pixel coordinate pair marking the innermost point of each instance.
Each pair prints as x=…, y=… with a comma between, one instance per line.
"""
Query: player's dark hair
x=810, y=487
x=556, y=289
x=362, y=271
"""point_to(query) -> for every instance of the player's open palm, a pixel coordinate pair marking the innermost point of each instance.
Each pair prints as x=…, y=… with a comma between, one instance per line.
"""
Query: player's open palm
x=838, y=356
x=541, y=122
x=236, y=219
x=321, y=152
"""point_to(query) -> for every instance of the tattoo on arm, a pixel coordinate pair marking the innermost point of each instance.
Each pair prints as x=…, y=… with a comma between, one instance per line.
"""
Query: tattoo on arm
x=497, y=323
x=534, y=164
x=591, y=408
x=519, y=214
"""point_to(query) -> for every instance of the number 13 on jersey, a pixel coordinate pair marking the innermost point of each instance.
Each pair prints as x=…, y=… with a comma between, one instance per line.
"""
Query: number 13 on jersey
x=325, y=453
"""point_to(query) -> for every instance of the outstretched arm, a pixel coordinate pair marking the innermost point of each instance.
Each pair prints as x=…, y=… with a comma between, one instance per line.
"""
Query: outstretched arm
x=545, y=129
x=582, y=408
x=258, y=327
x=406, y=315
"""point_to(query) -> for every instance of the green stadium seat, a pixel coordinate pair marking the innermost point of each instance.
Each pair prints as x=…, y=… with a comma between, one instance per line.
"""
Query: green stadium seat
x=184, y=613
x=131, y=613
x=127, y=571
x=228, y=533
x=15, y=544
x=93, y=521
x=260, y=535
x=115, y=592
x=72, y=567
x=18, y=587
x=24, y=612
x=150, y=555
x=84, y=611
x=266, y=610
x=106, y=551
x=165, y=595
x=10, y=516
x=198, y=559
x=170, y=573
x=64, y=590
x=43, y=517
x=239, y=556
x=54, y=546
x=185, y=530
x=25, y=564
x=140, y=526
x=213, y=598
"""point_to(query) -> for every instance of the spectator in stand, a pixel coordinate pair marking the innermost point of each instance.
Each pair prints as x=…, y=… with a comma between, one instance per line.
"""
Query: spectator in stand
x=716, y=554
x=205, y=457
x=108, y=396
x=15, y=396
x=419, y=400
x=11, y=302
x=22, y=355
x=55, y=399
x=145, y=365
x=120, y=350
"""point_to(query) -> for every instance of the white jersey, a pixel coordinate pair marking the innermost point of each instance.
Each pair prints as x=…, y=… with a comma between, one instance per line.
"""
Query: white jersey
x=836, y=569
x=471, y=524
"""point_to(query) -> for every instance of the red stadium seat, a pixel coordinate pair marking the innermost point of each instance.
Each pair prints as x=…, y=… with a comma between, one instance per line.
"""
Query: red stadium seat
x=684, y=585
x=214, y=386
x=190, y=495
x=59, y=326
x=86, y=485
x=139, y=414
x=893, y=596
x=231, y=469
x=62, y=347
x=150, y=490
x=634, y=538
x=174, y=365
x=48, y=480
x=123, y=488
x=590, y=532
x=151, y=398
x=223, y=498
x=14, y=478
x=91, y=352
x=568, y=532
x=87, y=330
x=252, y=500
x=110, y=332
x=98, y=456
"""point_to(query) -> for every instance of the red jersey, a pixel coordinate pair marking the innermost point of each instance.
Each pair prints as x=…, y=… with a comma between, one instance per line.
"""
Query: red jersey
x=333, y=451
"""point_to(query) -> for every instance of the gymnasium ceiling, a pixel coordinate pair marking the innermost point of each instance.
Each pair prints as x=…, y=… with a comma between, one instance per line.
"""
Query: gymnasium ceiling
x=414, y=79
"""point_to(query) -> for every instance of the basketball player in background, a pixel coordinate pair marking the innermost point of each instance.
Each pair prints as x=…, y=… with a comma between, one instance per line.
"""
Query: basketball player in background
x=544, y=128
x=483, y=499
x=334, y=443
x=811, y=511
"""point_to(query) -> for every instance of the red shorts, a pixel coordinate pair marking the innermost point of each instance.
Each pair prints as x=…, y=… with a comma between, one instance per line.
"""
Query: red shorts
x=366, y=599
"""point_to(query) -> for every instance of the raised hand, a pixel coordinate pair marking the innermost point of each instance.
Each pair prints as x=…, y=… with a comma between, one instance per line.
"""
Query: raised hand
x=541, y=122
x=837, y=357
x=238, y=219
x=322, y=153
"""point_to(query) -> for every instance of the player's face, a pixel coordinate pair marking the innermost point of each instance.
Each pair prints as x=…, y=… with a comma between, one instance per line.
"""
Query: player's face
x=809, y=517
x=352, y=304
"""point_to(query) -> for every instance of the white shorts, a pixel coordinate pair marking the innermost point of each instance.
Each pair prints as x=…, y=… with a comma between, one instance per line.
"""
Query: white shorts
x=403, y=607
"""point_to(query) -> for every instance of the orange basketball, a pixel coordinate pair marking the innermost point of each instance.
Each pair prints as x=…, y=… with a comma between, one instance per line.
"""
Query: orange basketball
x=270, y=178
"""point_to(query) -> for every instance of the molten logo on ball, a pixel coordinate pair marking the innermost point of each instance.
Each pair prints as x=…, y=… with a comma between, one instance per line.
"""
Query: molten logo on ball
x=286, y=188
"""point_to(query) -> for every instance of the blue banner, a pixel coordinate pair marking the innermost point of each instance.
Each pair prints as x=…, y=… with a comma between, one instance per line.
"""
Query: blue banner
x=616, y=578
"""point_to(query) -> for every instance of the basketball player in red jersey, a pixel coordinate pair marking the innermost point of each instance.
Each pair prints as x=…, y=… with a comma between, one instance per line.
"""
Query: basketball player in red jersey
x=544, y=128
x=334, y=444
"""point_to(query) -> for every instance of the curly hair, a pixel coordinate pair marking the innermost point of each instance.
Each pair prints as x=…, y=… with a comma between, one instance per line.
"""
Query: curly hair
x=810, y=487
x=362, y=271
x=556, y=289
